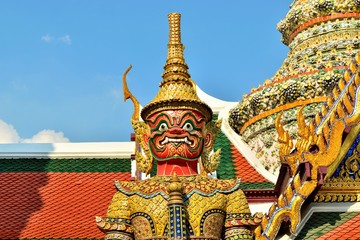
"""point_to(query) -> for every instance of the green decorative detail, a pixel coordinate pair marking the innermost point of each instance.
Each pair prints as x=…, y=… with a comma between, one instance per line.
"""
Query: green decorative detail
x=226, y=168
x=267, y=123
x=257, y=185
x=294, y=89
x=65, y=165
x=322, y=223
x=154, y=169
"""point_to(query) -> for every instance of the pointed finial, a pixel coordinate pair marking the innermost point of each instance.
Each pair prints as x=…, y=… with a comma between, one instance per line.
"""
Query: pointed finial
x=177, y=90
x=174, y=25
x=175, y=67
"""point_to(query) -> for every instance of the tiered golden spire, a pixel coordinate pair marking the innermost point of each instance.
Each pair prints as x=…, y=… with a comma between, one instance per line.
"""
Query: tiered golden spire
x=177, y=90
x=175, y=67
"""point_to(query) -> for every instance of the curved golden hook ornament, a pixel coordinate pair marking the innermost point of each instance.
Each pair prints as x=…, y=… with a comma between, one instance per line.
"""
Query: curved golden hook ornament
x=283, y=138
x=144, y=163
x=280, y=129
x=128, y=94
x=303, y=130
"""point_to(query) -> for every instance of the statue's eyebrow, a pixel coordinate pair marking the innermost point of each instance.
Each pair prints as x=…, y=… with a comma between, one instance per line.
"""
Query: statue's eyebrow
x=197, y=119
x=159, y=116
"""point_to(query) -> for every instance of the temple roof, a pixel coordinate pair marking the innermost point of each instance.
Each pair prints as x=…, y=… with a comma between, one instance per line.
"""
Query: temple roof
x=235, y=165
x=68, y=150
x=55, y=194
x=334, y=225
x=54, y=205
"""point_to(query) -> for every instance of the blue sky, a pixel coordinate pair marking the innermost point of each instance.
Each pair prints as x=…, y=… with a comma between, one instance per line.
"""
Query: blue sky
x=61, y=62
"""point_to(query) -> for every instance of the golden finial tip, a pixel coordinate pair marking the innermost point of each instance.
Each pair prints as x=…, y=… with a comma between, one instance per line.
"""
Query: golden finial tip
x=174, y=15
x=174, y=24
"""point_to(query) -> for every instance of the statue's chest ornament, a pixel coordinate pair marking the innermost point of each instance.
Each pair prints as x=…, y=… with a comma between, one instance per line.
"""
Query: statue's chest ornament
x=155, y=186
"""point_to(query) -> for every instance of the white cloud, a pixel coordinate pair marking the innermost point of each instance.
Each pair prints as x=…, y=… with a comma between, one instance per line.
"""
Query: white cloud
x=47, y=136
x=117, y=94
x=8, y=134
x=47, y=38
x=65, y=39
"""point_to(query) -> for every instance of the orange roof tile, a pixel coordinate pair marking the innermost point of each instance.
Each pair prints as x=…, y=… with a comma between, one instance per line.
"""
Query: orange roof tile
x=243, y=169
x=348, y=230
x=54, y=205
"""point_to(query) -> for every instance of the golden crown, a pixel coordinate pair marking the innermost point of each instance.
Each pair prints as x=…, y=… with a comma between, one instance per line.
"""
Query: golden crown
x=177, y=90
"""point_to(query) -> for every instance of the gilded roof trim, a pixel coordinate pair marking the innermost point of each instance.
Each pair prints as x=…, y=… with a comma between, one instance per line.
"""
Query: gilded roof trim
x=345, y=148
x=341, y=111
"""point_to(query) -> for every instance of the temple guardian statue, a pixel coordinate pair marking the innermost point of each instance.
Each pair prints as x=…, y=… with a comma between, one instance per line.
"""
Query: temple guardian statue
x=178, y=133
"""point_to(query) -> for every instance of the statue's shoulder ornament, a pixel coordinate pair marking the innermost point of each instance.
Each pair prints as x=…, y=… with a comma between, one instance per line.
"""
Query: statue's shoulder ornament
x=203, y=186
x=206, y=186
x=148, y=188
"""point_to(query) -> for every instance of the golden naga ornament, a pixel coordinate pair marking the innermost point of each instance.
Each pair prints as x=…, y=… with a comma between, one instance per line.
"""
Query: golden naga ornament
x=320, y=146
x=176, y=129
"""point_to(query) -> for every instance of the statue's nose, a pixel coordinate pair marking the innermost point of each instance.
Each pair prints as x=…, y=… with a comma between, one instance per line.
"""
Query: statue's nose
x=176, y=130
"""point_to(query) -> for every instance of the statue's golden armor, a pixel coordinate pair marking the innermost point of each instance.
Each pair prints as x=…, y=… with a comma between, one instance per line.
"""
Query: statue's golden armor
x=212, y=207
x=178, y=132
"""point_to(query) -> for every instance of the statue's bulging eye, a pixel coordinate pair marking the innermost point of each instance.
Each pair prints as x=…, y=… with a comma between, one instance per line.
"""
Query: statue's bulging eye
x=163, y=127
x=188, y=127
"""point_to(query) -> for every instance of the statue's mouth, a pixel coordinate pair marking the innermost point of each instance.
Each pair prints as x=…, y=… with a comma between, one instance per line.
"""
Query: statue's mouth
x=176, y=141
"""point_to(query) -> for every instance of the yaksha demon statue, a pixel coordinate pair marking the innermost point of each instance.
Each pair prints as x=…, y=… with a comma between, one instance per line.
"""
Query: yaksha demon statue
x=178, y=132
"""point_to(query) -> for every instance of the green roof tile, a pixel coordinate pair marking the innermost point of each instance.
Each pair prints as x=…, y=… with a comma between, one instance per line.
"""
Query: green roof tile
x=321, y=223
x=65, y=165
x=226, y=169
x=257, y=185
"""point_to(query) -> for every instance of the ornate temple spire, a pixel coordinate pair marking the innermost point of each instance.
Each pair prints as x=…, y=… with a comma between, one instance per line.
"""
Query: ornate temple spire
x=322, y=35
x=177, y=90
x=175, y=67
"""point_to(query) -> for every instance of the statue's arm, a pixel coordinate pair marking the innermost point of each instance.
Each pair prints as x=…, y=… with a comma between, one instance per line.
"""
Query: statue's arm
x=237, y=214
x=117, y=224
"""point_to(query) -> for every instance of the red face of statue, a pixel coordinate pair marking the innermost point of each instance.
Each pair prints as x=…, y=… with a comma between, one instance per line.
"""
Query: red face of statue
x=177, y=134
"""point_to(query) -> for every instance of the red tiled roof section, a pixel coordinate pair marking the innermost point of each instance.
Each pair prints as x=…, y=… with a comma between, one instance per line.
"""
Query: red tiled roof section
x=348, y=230
x=54, y=205
x=243, y=169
